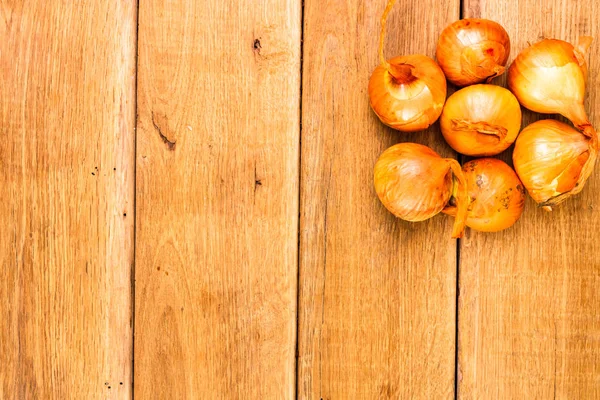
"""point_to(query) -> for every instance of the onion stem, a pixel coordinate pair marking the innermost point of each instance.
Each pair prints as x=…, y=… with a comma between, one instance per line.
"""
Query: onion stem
x=577, y=115
x=583, y=44
x=387, y=10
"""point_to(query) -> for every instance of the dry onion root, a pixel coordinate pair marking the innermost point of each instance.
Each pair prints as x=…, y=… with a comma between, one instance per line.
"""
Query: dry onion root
x=407, y=92
x=554, y=160
x=496, y=195
x=481, y=120
x=473, y=51
x=414, y=183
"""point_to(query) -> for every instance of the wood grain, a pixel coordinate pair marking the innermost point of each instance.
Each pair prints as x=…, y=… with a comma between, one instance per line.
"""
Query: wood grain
x=67, y=117
x=217, y=199
x=377, y=294
x=529, y=326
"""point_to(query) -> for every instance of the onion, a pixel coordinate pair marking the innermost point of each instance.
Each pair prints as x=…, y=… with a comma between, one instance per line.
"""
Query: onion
x=481, y=120
x=414, y=183
x=554, y=160
x=407, y=92
x=496, y=195
x=473, y=51
x=549, y=77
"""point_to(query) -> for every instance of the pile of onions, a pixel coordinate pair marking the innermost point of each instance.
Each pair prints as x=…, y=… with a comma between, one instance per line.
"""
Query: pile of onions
x=496, y=195
x=473, y=51
x=407, y=92
x=414, y=183
x=554, y=160
x=481, y=120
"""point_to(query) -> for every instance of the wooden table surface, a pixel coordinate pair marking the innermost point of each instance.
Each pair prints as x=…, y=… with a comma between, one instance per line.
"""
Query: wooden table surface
x=187, y=212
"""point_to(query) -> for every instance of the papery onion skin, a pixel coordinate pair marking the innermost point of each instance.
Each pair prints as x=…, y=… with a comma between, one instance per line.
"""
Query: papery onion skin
x=414, y=183
x=553, y=161
x=549, y=77
x=481, y=120
x=497, y=196
x=411, y=96
x=472, y=51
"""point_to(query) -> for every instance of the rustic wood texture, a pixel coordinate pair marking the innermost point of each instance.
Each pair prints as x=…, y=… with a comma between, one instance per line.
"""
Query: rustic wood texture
x=529, y=326
x=217, y=199
x=67, y=100
x=377, y=294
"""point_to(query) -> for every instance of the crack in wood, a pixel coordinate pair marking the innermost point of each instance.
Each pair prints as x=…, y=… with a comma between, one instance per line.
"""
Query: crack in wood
x=170, y=144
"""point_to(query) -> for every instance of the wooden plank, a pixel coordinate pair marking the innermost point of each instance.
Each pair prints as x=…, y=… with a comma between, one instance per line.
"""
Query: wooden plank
x=529, y=326
x=377, y=294
x=217, y=199
x=67, y=117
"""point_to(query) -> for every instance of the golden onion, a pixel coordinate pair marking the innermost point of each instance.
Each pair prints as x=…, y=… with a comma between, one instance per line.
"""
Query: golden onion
x=481, y=120
x=553, y=160
x=549, y=77
x=473, y=51
x=496, y=195
x=407, y=92
x=414, y=183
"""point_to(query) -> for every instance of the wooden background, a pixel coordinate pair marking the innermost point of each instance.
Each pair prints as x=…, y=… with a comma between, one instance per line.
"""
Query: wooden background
x=187, y=211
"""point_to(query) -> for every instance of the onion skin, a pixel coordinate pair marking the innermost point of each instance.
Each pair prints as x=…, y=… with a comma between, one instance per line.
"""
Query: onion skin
x=408, y=95
x=414, y=183
x=472, y=51
x=497, y=196
x=549, y=77
x=553, y=160
x=481, y=120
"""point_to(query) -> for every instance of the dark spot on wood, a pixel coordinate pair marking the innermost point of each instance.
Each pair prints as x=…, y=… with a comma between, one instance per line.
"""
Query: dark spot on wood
x=120, y=383
x=167, y=273
x=158, y=268
x=96, y=168
x=109, y=387
x=114, y=169
x=105, y=383
x=181, y=308
x=124, y=214
x=257, y=46
x=258, y=182
x=93, y=174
